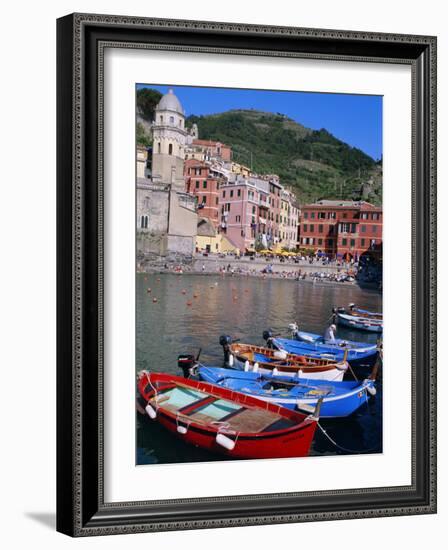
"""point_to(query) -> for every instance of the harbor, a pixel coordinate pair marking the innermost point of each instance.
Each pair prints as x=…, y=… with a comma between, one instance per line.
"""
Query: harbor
x=182, y=314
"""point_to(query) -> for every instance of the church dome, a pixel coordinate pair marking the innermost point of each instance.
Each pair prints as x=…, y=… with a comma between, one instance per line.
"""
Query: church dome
x=169, y=102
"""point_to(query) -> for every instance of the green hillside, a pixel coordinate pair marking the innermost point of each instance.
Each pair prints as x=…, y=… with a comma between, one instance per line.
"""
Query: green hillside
x=312, y=162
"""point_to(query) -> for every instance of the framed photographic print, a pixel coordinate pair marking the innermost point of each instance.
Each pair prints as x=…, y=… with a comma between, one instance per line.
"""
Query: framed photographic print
x=246, y=274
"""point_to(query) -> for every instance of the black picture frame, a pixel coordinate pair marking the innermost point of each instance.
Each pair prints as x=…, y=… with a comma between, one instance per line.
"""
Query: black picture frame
x=81, y=510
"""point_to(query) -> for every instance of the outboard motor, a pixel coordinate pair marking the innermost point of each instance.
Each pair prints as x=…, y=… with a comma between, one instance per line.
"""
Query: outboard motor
x=186, y=362
x=225, y=340
x=268, y=336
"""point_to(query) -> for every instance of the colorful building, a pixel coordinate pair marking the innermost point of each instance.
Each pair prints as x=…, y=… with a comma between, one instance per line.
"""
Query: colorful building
x=203, y=183
x=341, y=228
x=209, y=239
x=205, y=149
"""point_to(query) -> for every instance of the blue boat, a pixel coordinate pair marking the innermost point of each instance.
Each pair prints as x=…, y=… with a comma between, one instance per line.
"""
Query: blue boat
x=357, y=310
x=359, y=355
x=339, y=399
x=369, y=324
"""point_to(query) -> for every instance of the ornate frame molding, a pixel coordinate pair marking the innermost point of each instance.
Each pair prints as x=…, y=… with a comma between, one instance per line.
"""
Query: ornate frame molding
x=82, y=39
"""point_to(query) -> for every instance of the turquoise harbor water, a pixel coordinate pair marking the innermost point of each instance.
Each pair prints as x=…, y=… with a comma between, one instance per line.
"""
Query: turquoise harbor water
x=192, y=311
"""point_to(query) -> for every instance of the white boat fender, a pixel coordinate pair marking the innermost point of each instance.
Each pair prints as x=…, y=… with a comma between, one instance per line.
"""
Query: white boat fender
x=342, y=366
x=299, y=373
x=150, y=411
x=225, y=442
x=255, y=369
x=246, y=366
x=280, y=354
x=231, y=360
x=275, y=371
x=182, y=429
x=371, y=390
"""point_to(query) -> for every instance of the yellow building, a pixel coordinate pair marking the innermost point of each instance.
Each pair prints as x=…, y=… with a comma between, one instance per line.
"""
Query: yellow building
x=209, y=240
x=240, y=169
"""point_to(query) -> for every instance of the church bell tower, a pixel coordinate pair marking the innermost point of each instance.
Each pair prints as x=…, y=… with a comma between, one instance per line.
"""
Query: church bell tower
x=169, y=143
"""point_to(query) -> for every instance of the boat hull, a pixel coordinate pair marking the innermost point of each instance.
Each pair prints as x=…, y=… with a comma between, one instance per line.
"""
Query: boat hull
x=294, y=444
x=364, y=357
x=294, y=440
x=339, y=399
x=360, y=323
x=333, y=374
x=248, y=357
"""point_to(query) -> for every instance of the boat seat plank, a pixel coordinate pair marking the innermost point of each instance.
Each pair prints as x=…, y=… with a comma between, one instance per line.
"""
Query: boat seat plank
x=253, y=420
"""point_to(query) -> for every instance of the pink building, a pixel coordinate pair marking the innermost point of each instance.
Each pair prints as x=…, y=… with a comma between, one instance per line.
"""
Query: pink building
x=204, y=185
x=250, y=212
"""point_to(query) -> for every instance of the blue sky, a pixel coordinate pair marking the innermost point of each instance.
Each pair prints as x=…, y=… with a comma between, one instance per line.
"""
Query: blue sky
x=355, y=119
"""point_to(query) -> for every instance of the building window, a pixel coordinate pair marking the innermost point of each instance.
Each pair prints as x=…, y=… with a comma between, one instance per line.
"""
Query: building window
x=344, y=228
x=144, y=220
x=363, y=228
x=344, y=242
x=171, y=120
x=253, y=209
x=204, y=184
x=353, y=228
x=204, y=199
x=321, y=215
x=238, y=219
x=158, y=147
x=227, y=206
x=216, y=201
x=352, y=242
x=239, y=193
x=231, y=193
x=312, y=228
x=312, y=215
x=330, y=242
x=344, y=215
x=161, y=119
x=319, y=242
x=363, y=242
x=321, y=228
x=170, y=149
x=197, y=185
x=374, y=228
x=364, y=216
x=223, y=194
x=305, y=215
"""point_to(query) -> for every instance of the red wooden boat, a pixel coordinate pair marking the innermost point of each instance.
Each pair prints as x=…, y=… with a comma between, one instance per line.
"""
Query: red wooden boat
x=223, y=421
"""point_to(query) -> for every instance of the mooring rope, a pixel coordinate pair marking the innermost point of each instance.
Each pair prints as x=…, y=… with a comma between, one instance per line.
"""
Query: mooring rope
x=351, y=451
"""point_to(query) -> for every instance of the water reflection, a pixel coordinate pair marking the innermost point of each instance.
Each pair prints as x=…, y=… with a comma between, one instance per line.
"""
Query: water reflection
x=192, y=311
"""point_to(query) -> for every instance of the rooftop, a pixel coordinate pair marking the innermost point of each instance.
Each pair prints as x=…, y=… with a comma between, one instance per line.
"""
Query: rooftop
x=170, y=102
x=363, y=205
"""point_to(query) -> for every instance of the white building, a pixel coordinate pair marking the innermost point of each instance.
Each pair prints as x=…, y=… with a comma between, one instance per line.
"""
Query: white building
x=166, y=215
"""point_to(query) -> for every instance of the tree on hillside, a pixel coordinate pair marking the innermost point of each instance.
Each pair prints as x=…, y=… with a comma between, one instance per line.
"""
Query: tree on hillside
x=147, y=100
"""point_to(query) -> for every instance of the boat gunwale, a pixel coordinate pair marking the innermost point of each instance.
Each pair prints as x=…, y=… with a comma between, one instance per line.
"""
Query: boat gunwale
x=302, y=420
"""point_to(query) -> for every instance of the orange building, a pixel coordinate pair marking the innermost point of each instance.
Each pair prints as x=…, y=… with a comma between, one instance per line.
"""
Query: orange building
x=204, y=185
x=213, y=149
x=341, y=228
